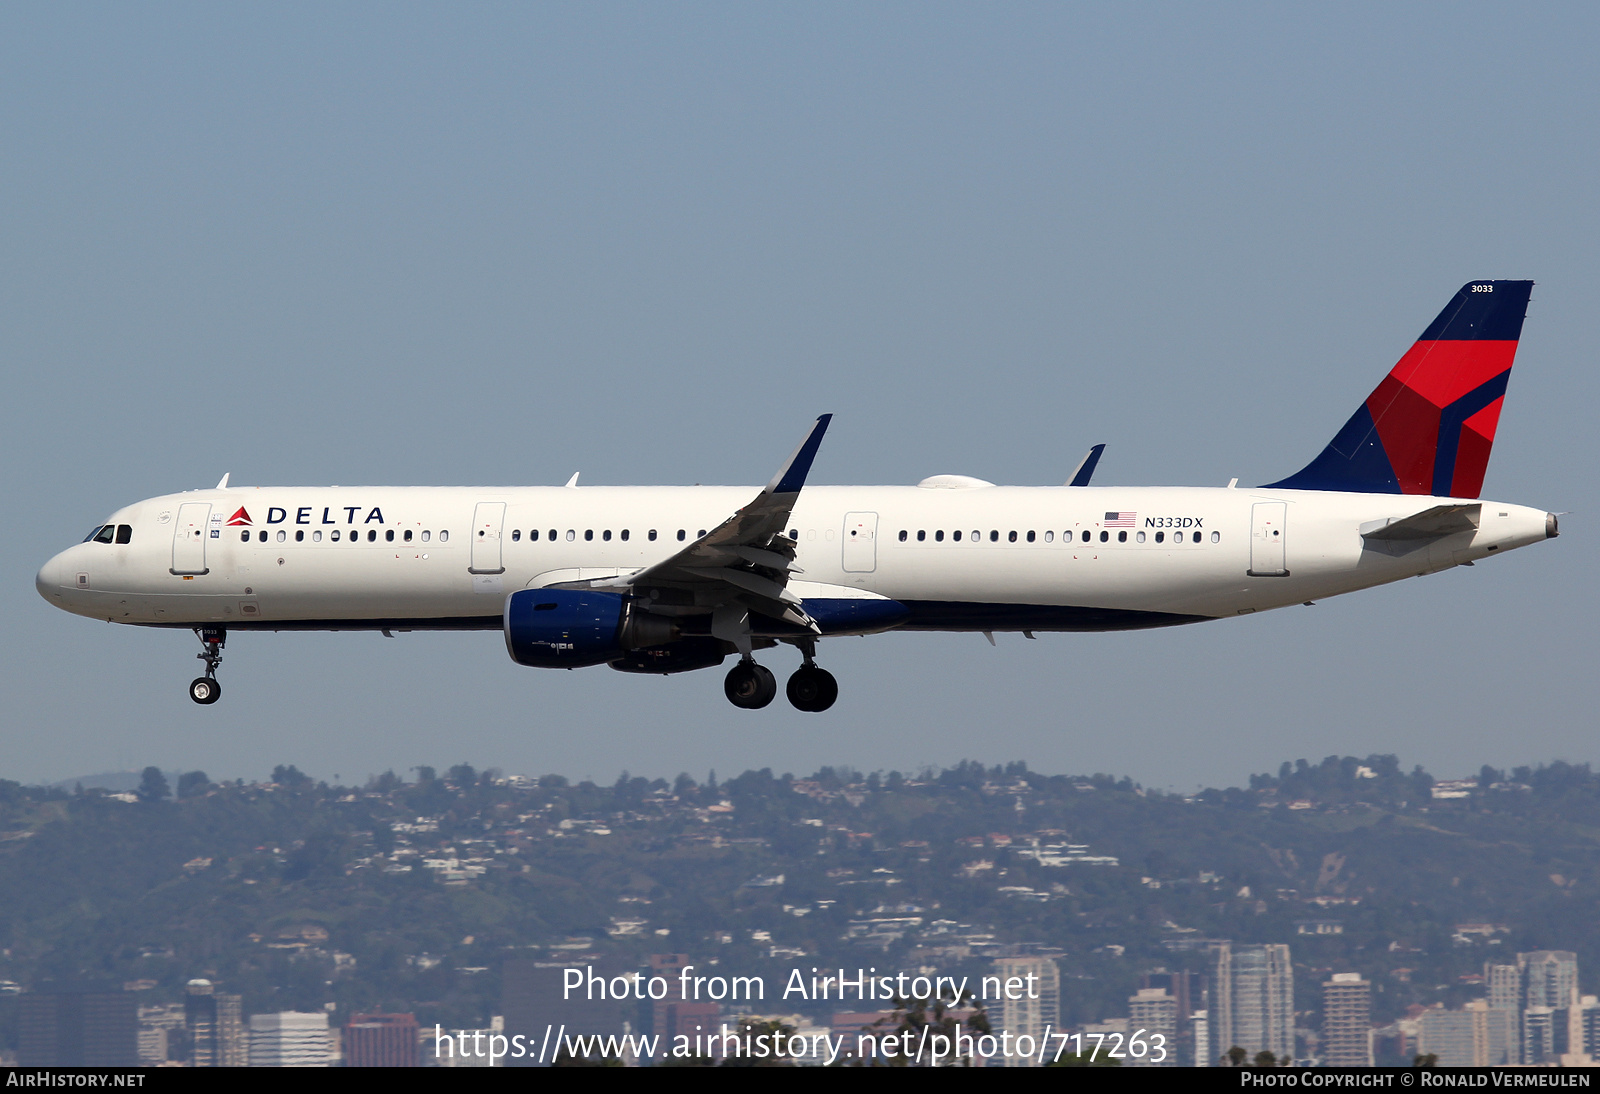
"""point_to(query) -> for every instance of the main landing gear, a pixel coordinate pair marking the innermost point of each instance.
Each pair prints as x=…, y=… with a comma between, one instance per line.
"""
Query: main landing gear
x=204, y=689
x=811, y=689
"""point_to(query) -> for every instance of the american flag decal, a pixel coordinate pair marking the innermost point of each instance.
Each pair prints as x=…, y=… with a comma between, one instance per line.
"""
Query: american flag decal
x=1119, y=520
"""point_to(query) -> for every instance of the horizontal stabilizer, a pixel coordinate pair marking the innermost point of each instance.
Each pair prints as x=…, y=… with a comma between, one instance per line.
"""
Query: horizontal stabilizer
x=1441, y=520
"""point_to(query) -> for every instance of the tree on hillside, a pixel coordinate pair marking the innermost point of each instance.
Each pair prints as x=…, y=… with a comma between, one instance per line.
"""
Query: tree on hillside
x=153, y=785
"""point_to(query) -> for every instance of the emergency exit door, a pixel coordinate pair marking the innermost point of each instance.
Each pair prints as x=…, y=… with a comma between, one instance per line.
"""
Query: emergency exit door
x=860, y=543
x=189, y=538
x=487, y=520
x=1267, y=548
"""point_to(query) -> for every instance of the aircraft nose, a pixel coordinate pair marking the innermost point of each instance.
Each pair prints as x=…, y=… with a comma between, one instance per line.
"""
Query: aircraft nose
x=48, y=580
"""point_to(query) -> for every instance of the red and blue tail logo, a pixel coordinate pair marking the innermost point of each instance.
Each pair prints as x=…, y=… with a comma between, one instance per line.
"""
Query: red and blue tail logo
x=1428, y=427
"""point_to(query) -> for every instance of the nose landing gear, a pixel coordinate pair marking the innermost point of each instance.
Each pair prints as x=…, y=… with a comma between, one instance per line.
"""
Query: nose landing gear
x=204, y=689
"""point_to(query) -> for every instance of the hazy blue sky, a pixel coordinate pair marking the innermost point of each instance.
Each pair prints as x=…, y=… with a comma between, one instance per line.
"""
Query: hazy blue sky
x=442, y=244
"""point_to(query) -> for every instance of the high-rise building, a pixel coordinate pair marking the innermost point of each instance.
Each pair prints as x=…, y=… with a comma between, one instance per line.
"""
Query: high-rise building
x=215, y=1024
x=1201, y=1054
x=84, y=1024
x=1252, y=1000
x=1347, y=1021
x=1477, y=1035
x=382, y=1040
x=1188, y=988
x=1589, y=1006
x=1039, y=1009
x=668, y=966
x=1550, y=982
x=1153, y=1014
x=1447, y=1035
x=291, y=1039
x=1503, y=992
x=537, y=1005
x=161, y=1033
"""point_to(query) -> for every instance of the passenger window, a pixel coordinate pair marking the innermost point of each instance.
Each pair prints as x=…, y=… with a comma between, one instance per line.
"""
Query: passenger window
x=389, y=536
x=1049, y=537
x=794, y=534
x=516, y=535
x=1105, y=537
x=1139, y=537
x=700, y=534
x=408, y=535
x=1216, y=537
x=316, y=537
x=902, y=535
x=372, y=535
x=1197, y=537
x=1122, y=537
x=334, y=535
x=1030, y=535
x=244, y=537
x=571, y=535
x=425, y=535
x=444, y=536
x=1012, y=537
x=682, y=535
x=1160, y=536
x=109, y=533
x=956, y=535
x=300, y=535
x=994, y=536
x=588, y=535
x=624, y=535
x=922, y=535
x=938, y=537
x=124, y=533
x=552, y=535
x=1086, y=535
x=263, y=535
x=652, y=535
x=282, y=535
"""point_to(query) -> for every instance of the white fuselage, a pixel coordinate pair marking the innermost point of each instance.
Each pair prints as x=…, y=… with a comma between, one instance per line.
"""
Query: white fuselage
x=424, y=557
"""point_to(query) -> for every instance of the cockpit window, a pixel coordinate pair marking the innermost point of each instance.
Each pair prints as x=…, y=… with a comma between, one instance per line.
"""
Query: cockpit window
x=95, y=532
x=106, y=534
x=124, y=533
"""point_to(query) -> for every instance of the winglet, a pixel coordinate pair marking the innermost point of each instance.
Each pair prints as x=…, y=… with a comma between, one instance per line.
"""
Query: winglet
x=223, y=485
x=1085, y=470
x=792, y=476
x=573, y=482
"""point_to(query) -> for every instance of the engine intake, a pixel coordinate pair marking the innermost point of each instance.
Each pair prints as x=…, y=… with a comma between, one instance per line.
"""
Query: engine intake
x=571, y=628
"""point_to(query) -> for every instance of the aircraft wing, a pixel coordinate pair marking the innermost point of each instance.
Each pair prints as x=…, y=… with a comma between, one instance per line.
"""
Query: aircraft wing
x=744, y=563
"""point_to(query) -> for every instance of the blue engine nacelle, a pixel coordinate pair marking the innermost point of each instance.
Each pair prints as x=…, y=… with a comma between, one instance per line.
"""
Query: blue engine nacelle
x=571, y=628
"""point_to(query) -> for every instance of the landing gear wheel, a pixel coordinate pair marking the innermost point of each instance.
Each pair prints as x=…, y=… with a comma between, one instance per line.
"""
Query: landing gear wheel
x=205, y=690
x=749, y=686
x=812, y=689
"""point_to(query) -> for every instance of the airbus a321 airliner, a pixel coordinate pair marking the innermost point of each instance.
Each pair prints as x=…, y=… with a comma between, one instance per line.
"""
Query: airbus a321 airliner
x=671, y=579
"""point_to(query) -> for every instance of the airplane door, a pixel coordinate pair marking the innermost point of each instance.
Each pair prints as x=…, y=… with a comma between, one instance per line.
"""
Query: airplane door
x=487, y=519
x=1267, y=539
x=860, y=543
x=189, y=538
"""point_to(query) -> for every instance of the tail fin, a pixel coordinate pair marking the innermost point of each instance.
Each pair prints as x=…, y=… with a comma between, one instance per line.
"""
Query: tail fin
x=1428, y=428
